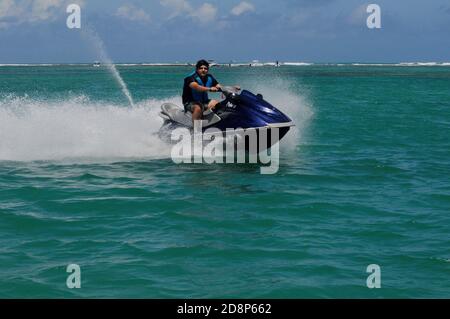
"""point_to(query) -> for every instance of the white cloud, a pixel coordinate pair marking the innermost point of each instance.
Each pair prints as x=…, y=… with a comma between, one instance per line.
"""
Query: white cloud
x=203, y=14
x=5, y=6
x=206, y=13
x=44, y=9
x=132, y=13
x=8, y=8
x=32, y=11
x=178, y=6
x=242, y=7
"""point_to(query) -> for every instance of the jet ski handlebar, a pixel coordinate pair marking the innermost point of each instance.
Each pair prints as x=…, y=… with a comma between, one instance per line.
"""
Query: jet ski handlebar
x=229, y=92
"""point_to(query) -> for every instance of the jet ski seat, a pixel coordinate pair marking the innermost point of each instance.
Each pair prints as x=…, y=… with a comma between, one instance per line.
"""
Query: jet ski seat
x=183, y=117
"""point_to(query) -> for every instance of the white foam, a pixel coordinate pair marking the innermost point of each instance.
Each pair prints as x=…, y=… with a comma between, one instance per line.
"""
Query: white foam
x=372, y=64
x=164, y=64
x=292, y=101
x=419, y=64
x=82, y=130
x=270, y=64
x=296, y=63
x=27, y=64
x=78, y=128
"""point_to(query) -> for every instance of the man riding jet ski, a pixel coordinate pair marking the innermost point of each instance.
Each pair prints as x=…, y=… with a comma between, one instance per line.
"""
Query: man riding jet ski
x=237, y=111
x=195, y=90
x=244, y=112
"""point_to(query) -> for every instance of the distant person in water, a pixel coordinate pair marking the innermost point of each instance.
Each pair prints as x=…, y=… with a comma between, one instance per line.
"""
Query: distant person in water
x=196, y=88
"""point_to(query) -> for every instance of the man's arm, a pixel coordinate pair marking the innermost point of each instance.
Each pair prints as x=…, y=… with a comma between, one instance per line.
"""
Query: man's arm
x=216, y=84
x=201, y=88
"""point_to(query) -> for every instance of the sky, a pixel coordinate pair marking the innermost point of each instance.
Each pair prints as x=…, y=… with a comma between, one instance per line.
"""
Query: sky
x=134, y=31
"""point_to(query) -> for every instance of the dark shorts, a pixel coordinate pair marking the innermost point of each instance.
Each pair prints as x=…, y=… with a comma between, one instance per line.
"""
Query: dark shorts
x=189, y=106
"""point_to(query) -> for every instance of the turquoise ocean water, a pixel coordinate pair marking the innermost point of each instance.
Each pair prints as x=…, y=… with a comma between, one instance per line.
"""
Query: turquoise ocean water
x=364, y=179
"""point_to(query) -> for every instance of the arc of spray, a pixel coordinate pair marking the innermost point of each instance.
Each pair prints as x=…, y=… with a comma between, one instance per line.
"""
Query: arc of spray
x=92, y=36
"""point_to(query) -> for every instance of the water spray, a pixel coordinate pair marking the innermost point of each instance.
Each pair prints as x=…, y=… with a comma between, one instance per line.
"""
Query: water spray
x=97, y=42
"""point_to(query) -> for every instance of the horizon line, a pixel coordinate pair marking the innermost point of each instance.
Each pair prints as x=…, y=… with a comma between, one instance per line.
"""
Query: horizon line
x=177, y=63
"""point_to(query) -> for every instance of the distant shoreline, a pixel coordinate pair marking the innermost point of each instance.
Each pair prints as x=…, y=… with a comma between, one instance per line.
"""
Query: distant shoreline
x=243, y=64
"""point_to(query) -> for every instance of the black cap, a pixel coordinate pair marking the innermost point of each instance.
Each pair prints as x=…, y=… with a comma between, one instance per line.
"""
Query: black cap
x=202, y=63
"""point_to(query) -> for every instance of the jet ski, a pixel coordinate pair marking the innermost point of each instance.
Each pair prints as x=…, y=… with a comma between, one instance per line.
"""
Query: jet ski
x=237, y=111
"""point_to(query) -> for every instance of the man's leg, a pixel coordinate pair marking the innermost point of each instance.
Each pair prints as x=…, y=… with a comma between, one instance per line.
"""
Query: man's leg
x=196, y=112
x=212, y=104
